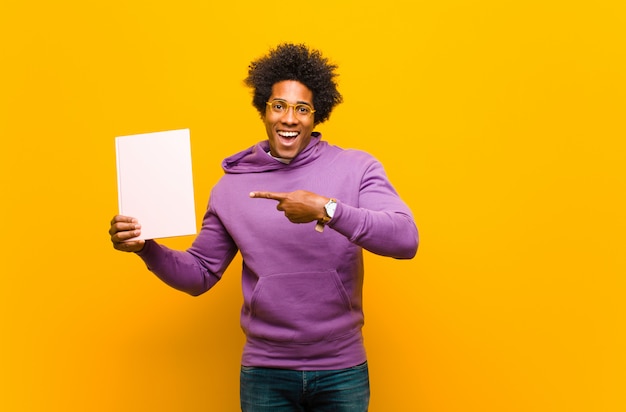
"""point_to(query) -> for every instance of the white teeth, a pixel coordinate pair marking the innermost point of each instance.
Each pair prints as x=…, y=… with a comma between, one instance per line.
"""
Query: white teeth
x=288, y=134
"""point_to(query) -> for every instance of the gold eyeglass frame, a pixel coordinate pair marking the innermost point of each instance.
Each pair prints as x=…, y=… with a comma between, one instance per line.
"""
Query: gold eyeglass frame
x=289, y=105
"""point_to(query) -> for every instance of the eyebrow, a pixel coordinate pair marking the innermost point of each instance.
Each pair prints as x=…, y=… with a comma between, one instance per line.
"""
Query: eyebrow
x=286, y=101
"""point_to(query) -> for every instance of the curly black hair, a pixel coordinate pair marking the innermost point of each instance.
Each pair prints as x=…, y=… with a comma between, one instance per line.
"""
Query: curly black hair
x=295, y=62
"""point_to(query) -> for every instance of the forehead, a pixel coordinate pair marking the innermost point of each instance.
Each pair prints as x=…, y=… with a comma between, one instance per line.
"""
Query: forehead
x=292, y=91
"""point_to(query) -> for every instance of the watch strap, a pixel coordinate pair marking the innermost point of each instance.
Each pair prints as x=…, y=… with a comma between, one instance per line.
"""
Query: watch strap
x=319, y=226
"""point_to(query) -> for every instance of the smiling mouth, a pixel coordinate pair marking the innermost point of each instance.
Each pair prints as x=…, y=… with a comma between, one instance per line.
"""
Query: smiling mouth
x=288, y=135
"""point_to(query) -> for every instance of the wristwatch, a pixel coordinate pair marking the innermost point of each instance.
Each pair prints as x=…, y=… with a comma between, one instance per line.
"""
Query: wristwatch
x=329, y=209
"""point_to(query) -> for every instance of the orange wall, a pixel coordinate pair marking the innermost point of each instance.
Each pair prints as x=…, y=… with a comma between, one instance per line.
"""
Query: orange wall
x=500, y=123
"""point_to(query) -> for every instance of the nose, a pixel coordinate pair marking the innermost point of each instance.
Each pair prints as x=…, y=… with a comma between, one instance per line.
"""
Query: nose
x=289, y=117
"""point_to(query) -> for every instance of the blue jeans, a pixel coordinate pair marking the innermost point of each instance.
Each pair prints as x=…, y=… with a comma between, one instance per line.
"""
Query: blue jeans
x=281, y=390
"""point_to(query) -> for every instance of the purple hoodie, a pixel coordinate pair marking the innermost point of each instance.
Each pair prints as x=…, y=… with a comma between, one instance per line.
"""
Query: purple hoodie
x=302, y=289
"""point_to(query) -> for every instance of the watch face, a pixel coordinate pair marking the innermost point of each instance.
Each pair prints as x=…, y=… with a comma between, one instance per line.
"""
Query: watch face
x=330, y=208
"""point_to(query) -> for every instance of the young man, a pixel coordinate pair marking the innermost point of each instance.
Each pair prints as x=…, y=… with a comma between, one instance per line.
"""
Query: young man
x=302, y=271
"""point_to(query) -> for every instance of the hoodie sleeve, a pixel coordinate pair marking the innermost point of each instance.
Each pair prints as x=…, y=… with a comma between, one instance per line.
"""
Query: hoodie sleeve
x=381, y=222
x=197, y=269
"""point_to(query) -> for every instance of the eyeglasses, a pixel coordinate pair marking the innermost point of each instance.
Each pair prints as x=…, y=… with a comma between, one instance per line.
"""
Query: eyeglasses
x=281, y=107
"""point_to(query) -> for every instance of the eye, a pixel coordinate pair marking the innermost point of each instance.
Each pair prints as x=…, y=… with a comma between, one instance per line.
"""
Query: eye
x=278, y=106
x=303, y=109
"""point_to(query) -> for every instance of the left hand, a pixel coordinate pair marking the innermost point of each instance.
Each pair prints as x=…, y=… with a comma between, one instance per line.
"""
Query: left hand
x=299, y=206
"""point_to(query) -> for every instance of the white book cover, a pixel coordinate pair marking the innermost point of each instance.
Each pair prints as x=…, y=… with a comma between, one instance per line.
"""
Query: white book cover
x=155, y=182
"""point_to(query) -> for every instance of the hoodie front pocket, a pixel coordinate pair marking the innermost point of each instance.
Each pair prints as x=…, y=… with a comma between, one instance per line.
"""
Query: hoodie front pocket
x=300, y=307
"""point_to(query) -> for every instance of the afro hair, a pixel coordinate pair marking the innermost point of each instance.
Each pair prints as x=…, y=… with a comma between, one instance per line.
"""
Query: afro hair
x=295, y=62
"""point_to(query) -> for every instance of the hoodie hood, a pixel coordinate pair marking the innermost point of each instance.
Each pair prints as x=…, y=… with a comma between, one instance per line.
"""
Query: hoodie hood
x=256, y=160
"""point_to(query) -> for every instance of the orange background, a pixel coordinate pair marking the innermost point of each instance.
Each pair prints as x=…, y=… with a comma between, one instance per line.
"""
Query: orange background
x=500, y=123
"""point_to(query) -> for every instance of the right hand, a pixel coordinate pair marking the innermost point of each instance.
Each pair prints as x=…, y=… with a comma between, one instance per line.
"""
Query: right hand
x=124, y=228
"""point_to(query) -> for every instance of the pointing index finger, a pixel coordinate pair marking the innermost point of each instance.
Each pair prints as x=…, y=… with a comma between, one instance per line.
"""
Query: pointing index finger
x=269, y=195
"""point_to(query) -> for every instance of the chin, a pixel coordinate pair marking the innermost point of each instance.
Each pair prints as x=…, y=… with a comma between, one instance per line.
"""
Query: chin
x=288, y=156
x=285, y=154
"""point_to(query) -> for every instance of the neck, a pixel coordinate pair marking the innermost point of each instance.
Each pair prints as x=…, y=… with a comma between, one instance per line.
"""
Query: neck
x=280, y=159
